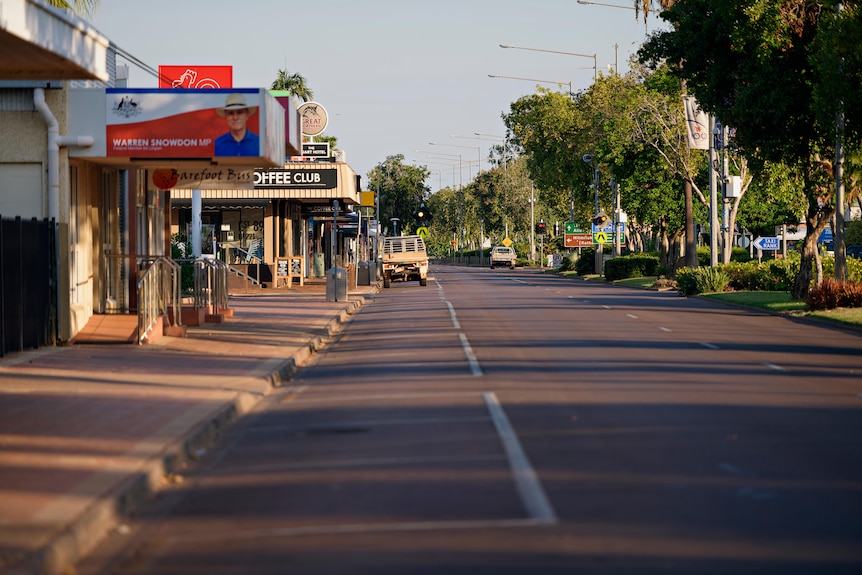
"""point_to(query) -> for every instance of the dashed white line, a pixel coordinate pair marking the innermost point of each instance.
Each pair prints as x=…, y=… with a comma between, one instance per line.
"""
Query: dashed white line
x=452, y=315
x=709, y=345
x=471, y=357
x=775, y=367
x=664, y=328
x=631, y=316
x=529, y=487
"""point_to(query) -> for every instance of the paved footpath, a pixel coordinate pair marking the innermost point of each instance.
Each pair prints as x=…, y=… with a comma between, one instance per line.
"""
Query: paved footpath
x=89, y=432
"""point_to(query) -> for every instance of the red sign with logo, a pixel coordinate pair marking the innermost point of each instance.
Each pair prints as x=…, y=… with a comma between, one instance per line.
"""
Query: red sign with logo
x=195, y=76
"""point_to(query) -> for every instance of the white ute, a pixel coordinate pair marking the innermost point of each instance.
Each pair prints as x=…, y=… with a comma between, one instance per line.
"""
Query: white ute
x=404, y=258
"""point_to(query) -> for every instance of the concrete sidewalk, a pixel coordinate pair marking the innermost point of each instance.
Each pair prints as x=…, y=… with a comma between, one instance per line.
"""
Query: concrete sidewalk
x=89, y=432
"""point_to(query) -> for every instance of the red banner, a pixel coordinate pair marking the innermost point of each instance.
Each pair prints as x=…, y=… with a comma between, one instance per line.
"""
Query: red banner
x=195, y=76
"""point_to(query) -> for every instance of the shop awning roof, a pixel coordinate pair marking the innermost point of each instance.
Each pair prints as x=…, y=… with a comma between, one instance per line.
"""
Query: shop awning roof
x=39, y=42
x=347, y=190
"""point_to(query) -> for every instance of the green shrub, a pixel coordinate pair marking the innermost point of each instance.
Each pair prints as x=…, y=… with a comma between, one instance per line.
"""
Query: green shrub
x=775, y=275
x=741, y=275
x=711, y=280
x=686, y=281
x=586, y=264
x=633, y=266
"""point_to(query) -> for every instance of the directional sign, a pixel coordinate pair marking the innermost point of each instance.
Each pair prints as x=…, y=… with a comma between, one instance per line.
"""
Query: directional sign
x=578, y=240
x=575, y=228
x=767, y=243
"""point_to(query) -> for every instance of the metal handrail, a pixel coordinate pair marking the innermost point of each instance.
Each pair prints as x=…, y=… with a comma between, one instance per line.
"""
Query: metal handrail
x=158, y=294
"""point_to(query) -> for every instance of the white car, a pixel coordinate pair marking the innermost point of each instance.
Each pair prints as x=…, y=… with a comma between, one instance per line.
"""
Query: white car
x=503, y=256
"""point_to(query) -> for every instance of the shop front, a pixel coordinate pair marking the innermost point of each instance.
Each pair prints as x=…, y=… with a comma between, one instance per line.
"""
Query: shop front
x=285, y=215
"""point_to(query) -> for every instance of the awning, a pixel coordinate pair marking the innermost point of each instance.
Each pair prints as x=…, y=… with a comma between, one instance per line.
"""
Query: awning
x=39, y=42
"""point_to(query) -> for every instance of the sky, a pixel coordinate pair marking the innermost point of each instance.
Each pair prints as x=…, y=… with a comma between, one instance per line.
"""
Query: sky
x=393, y=75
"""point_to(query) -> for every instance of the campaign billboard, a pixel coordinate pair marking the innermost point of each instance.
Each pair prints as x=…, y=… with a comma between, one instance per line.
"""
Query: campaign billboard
x=229, y=124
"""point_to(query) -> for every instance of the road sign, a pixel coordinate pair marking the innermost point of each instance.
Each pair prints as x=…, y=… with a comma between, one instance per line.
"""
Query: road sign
x=767, y=243
x=575, y=228
x=601, y=237
x=422, y=232
x=507, y=242
x=578, y=240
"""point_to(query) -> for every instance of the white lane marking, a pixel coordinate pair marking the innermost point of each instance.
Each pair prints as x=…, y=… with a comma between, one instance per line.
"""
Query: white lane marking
x=352, y=528
x=452, y=315
x=709, y=345
x=529, y=487
x=664, y=328
x=471, y=357
x=775, y=367
x=631, y=315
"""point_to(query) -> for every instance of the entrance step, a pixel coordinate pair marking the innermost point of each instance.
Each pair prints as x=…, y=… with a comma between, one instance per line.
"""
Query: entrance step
x=110, y=328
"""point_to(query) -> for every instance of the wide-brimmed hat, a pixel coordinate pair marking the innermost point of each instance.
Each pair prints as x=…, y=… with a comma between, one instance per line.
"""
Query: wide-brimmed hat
x=235, y=102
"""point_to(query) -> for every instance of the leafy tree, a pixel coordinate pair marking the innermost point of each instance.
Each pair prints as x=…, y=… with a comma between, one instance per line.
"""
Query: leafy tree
x=295, y=84
x=402, y=190
x=757, y=70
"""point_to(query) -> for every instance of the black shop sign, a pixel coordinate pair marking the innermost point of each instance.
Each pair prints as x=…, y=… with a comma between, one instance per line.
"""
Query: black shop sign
x=319, y=179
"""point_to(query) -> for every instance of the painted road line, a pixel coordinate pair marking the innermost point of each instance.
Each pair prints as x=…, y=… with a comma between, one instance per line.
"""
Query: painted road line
x=774, y=367
x=631, y=316
x=471, y=357
x=452, y=315
x=709, y=345
x=664, y=328
x=529, y=487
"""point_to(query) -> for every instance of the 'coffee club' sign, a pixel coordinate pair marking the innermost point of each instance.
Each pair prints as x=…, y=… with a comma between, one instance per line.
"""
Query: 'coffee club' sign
x=302, y=179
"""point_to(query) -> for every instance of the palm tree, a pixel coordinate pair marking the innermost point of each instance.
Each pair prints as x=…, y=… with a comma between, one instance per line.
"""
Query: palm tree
x=646, y=4
x=293, y=84
x=82, y=7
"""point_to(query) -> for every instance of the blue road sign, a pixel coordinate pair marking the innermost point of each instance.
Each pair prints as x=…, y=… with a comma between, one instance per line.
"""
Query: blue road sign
x=767, y=244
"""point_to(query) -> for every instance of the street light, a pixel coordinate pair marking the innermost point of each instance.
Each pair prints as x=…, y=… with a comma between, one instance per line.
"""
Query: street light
x=603, y=4
x=593, y=56
x=477, y=148
x=560, y=83
x=491, y=136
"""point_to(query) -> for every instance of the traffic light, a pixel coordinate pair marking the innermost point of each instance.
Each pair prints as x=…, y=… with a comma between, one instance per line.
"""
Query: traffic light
x=600, y=219
x=541, y=228
x=422, y=216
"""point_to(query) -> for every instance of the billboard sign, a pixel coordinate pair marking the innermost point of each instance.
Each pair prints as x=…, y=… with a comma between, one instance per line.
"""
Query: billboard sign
x=195, y=76
x=194, y=124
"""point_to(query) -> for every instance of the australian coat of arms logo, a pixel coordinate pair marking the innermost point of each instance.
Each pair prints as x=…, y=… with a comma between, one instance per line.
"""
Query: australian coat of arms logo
x=127, y=107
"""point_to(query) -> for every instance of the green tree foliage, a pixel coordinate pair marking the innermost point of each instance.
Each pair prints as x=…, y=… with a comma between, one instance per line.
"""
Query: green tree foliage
x=402, y=189
x=294, y=84
x=762, y=69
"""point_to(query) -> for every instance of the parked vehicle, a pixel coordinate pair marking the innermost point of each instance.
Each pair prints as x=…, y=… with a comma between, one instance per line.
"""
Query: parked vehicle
x=503, y=256
x=404, y=258
x=854, y=252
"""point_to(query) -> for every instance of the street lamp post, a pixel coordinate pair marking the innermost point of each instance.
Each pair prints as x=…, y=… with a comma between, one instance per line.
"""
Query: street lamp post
x=593, y=56
x=477, y=148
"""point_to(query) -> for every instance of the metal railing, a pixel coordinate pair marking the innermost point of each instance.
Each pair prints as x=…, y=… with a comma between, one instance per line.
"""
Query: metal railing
x=159, y=294
x=211, y=283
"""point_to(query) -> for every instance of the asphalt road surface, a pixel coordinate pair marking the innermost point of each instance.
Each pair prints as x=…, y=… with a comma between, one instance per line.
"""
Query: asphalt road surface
x=500, y=422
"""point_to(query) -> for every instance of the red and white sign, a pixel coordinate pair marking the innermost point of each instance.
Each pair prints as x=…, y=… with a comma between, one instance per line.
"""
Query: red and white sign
x=195, y=76
x=153, y=123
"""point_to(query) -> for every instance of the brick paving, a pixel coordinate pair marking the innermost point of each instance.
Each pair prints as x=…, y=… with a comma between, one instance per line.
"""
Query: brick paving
x=87, y=432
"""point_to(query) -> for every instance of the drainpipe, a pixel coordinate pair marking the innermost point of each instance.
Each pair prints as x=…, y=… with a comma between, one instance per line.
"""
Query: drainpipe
x=55, y=141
